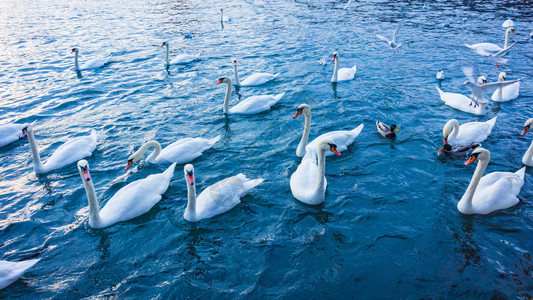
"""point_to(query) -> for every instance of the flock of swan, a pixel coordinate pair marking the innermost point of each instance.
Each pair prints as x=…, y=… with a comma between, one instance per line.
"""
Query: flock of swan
x=485, y=194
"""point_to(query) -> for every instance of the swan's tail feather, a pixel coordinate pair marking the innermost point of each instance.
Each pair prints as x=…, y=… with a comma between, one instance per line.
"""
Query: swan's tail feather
x=441, y=93
x=214, y=140
x=250, y=184
x=279, y=96
x=470, y=46
x=521, y=173
x=169, y=172
x=492, y=121
x=276, y=75
x=198, y=55
x=22, y=266
x=354, y=68
x=357, y=130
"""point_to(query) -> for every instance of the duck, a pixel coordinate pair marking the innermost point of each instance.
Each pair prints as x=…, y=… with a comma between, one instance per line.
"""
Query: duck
x=94, y=63
x=467, y=133
x=344, y=73
x=180, y=59
x=250, y=105
x=181, y=151
x=505, y=93
x=217, y=198
x=131, y=201
x=458, y=150
x=392, y=43
x=341, y=138
x=308, y=183
x=440, y=75
x=486, y=49
x=527, y=159
x=494, y=191
x=10, y=133
x=11, y=271
x=386, y=131
x=253, y=80
x=68, y=153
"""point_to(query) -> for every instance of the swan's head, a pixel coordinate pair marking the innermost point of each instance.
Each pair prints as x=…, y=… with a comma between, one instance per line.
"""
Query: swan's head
x=24, y=132
x=303, y=108
x=83, y=167
x=234, y=62
x=335, y=56
x=502, y=76
x=327, y=144
x=164, y=44
x=394, y=127
x=224, y=79
x=481, y=80
x=448, y=129
x=134, y=158
x=478, y=154
x=188, y=170
x=75, y=50
x=527, y=126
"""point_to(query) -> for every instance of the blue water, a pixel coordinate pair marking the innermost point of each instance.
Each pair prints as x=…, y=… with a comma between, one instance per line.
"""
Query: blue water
x=389, y=226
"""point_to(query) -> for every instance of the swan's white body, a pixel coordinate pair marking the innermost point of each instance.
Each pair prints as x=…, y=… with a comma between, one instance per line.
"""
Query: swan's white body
x=344, y=73
x=308, y=183
x=254, y=79
x=494, y=191
x=467, y=133
x=462, y=102
x=180, y=59
x=527, y=159
x=94, y=63
x=487, y=49
x=10, y=271
x=68, y=153
x=250, y=105
x=181, y=151
x=505, y=93
x=392, y=43
x=217, y=198
x=131, y=201
x=12, y=132
x=341, y=138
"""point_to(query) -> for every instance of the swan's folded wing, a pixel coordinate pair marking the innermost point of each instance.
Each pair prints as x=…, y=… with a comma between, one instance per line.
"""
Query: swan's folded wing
x=220, y=197
x=252, y=105
x=306, y=175
x=72, y=150
x=184, y=150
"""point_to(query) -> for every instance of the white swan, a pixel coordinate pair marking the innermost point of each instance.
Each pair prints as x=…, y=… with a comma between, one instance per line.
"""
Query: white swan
x=528, y=156
x=181, y=151
x=94, y=63
x=487, y=49
x=505, y=93
x=250, y=105
x=494, y=191
x=180, y=59
x=254, y=79
x=69, y=152
x=308, y=183
x=10, y=271
x=468, y=133
x=392, y=43
x=131, y=201
x=12, y=132
x=217, y=198
x=462, y=102
x=341, y=138
x=344, y=73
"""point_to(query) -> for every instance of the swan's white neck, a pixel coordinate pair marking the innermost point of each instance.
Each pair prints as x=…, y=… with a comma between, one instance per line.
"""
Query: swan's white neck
x=237, y=81
x=465, y=205
x=76, y=65
x=166, y=56
x=334, y=78
x=94, y=212
x=528, y=156
x=152, y=158
x=319, y=188
x=37, y=165
x=191, y=202
x=507, y=34
x=452, y=139
x=300, y=151
x=225, y=107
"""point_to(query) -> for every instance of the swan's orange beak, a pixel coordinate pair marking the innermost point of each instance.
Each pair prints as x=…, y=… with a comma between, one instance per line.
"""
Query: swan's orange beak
x=333, y=149
x=220, y=81
x=24, y=131
x=85, y=172
x=234, y=62
x=526, y=129
x=512, y=30
x=445, y=141
x=298, y=112
x=130, y=162
x=334, y=56
x=471, y=159
x=190, y=178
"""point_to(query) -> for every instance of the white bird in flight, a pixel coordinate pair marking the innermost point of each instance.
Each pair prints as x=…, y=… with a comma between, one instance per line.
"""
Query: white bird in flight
x=392, y=43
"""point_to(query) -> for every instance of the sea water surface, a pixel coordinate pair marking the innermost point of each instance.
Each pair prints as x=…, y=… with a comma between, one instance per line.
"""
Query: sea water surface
x=389, y=226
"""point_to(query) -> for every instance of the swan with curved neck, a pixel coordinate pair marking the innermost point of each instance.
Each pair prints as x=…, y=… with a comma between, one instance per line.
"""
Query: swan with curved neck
x=487, y=49
x=341, y=138
x=180, y=59
x=217, y=198
x=69, y=152
x=131, y=201
x=494, y=191
x=94, y=63
x=468, y=133
x=505, y=93
x=344, y=73
x=250, y=105
x=308, y=183
x=181, y=151
x=527, y=159
x=252, y=80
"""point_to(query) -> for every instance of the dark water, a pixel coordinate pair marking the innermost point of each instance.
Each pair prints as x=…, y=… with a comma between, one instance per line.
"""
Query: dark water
x=389, y=227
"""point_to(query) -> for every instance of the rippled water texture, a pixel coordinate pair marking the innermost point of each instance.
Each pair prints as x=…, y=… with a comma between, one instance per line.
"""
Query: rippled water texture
x=389, y=227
